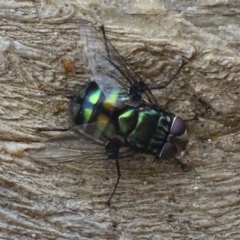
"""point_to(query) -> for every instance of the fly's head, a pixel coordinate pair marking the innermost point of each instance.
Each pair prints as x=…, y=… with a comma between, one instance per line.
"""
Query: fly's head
x=177, y=139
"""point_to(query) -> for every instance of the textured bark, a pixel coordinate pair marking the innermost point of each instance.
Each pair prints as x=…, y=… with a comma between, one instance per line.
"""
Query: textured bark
x=39, y=39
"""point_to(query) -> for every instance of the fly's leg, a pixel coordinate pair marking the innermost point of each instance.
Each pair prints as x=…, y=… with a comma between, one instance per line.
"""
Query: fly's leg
x=112, y=149
x=116, y=184
x=182, y=165
x=194, y=118
x=105, y=40
x=136, y=89
x=171, y=79
x=142, y=88
x=178, y=161
x=52, y=129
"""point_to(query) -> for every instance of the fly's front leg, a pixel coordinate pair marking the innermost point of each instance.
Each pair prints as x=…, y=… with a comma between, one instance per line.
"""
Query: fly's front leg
x=171, y=79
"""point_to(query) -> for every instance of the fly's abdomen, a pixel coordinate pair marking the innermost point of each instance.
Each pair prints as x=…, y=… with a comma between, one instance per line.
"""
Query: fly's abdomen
x=86, y=103
x=146, y=129
x=91, y=106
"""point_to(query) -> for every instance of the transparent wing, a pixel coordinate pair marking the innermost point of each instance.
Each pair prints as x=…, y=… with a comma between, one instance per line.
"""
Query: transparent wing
x=78, y=144
x=110, y=70
x=73, y=145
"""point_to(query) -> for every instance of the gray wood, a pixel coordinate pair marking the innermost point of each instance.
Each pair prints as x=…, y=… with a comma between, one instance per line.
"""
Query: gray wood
x=153, y=201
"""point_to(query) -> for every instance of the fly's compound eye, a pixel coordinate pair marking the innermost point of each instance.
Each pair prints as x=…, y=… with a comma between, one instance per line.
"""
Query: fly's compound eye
x=178, y=127
x=168, y=151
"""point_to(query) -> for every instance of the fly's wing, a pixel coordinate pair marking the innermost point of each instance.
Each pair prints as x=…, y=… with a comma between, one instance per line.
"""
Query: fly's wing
x=70, y=146
x=78, y=144
x=110, y=70
x=105, y=74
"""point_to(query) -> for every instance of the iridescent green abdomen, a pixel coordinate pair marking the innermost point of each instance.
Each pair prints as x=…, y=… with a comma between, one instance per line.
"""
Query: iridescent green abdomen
x=91, y=106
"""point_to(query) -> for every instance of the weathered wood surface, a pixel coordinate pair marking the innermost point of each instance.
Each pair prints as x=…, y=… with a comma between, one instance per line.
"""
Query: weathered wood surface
x=153, y=201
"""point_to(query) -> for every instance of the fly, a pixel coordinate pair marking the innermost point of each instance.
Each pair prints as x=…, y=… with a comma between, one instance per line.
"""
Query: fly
x=113, y=113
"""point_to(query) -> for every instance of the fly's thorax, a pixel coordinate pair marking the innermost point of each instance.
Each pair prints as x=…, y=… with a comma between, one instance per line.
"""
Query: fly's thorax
x=177, y=139
x=161, y=133
x=127, y=121
x=145, y=128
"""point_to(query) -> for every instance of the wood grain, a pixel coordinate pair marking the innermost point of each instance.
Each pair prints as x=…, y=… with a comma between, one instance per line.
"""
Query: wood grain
x=154, y=200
